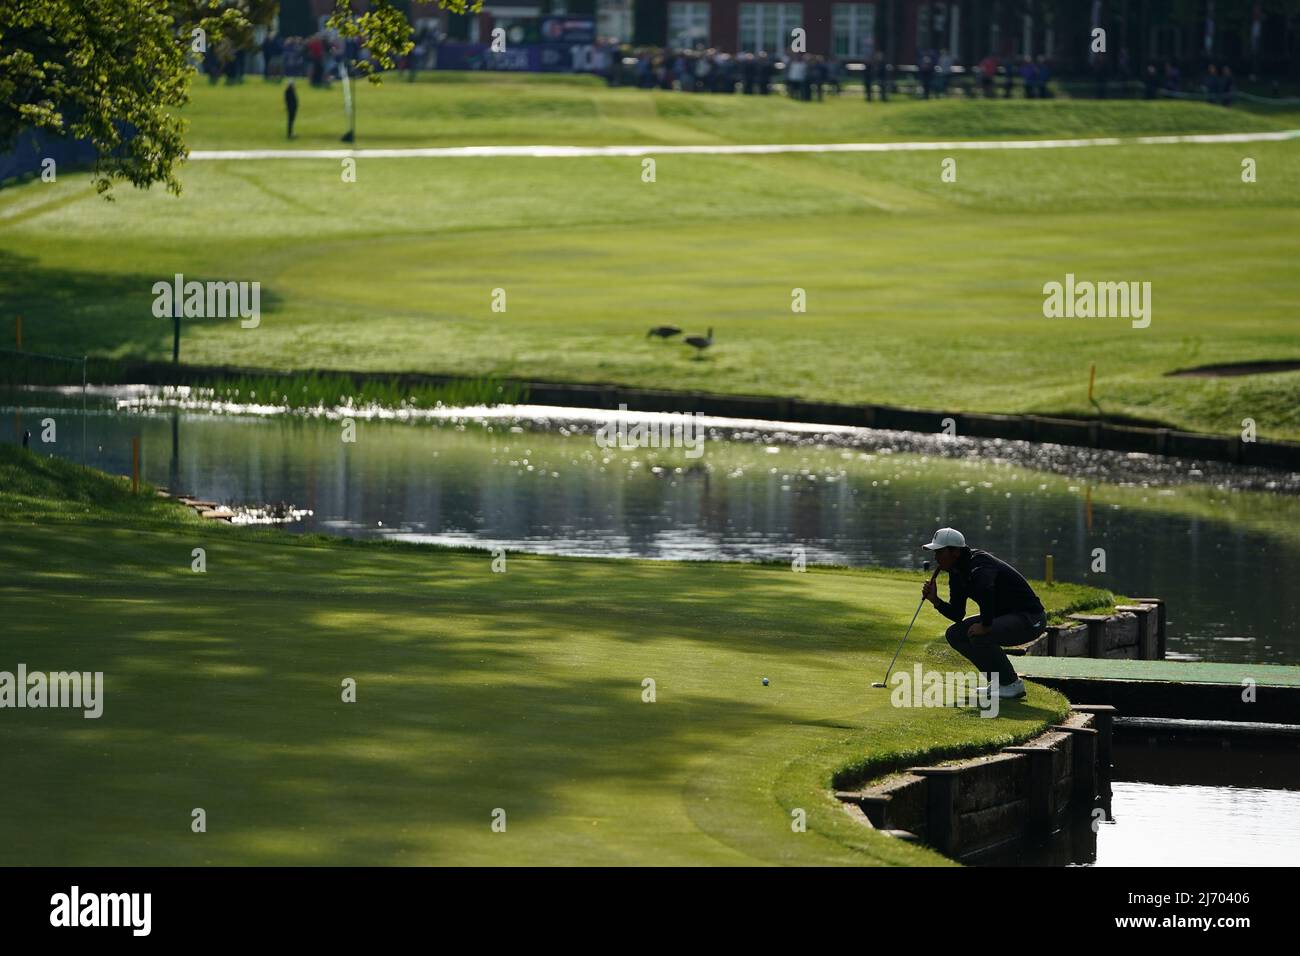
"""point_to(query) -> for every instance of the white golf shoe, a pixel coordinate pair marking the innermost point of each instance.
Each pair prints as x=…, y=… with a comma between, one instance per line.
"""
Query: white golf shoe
x=1015, y=689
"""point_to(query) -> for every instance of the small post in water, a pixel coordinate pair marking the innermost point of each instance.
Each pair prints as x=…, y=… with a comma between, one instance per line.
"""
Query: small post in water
x=135, y=465
x=83, y=409
x=1048, y=573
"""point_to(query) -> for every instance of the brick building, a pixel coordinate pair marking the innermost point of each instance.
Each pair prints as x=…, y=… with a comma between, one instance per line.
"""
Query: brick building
x=1250, y=35
x=1245, y=33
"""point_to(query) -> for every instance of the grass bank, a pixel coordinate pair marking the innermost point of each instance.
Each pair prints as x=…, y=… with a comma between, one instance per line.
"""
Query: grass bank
x=475, y=691
x=905, y=277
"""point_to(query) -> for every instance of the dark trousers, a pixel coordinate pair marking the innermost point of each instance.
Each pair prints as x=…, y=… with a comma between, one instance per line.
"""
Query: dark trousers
x=293, y=114
x=986, y=652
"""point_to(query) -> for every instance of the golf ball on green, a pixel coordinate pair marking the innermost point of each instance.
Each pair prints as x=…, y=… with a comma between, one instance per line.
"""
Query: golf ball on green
x=764, y=681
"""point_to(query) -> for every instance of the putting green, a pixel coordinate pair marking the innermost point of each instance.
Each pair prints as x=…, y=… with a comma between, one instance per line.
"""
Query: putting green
x=522, y=691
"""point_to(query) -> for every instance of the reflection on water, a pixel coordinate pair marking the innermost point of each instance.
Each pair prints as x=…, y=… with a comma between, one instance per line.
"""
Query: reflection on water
x=1202, y=800
x=847, y=496
x=1190, y=799
x=1159, y=825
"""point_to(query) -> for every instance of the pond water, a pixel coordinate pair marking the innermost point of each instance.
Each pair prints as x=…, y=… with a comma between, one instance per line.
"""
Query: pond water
x=1187, y=798
x=1220, y=544
x=1214, y=801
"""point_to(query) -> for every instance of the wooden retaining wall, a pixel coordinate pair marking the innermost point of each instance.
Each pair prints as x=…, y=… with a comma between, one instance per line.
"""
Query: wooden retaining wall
x=1134, y=631
x=970, y=807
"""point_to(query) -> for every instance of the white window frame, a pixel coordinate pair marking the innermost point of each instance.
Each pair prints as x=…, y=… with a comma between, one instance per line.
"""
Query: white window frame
x=855, y=24
x=614, y=20
x=688, y=24
x=767, y=26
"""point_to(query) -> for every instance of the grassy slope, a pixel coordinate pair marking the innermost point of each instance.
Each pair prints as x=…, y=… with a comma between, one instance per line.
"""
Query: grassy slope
x=476, y=690
x=476, y=109
x=906, y=276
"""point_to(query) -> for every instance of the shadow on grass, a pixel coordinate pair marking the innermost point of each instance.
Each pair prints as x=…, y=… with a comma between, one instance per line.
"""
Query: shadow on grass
x=474, y=691
x=74, y=312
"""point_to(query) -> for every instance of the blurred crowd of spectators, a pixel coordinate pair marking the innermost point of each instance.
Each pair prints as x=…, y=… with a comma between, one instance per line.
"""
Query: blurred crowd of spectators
x=935, y=74
x=1216, y=86
x=801, y=76
x=317, y=57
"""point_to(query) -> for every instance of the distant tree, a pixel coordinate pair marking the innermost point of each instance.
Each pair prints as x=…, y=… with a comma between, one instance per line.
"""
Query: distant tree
x=116, y=72
x=383, y=28
x=461, y=6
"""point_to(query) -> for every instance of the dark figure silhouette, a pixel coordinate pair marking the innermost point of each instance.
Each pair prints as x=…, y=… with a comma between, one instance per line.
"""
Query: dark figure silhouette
x=291, y=105
x=1226, y=87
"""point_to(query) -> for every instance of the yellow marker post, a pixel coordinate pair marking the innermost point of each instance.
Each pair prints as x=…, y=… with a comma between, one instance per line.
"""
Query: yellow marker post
x=1092, y=379
x=1048, y=576
x=1087, y=506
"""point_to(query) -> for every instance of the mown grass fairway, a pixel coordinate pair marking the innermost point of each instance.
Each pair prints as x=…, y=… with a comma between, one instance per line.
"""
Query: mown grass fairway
x=476, y=690
x=469, y=109
x=919, y=292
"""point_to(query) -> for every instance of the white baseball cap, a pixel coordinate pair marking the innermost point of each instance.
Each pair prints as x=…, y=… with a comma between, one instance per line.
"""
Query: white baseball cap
x=946, y=538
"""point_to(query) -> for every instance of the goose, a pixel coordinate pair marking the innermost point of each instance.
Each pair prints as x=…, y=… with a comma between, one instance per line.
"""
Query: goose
x=700, y=342
x=664, y=331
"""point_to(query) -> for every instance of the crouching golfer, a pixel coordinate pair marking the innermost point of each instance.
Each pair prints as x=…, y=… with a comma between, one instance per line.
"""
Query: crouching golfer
x=1010, y=612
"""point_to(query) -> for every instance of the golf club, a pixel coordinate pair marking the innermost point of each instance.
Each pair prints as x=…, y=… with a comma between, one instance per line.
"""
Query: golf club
x=926, y=565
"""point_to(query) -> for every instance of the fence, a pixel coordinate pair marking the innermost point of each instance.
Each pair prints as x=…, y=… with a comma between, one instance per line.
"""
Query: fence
x=33, y=147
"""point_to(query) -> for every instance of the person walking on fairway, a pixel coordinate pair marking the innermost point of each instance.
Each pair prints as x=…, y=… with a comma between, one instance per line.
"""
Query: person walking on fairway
x=1010, y=611
x=291, y=105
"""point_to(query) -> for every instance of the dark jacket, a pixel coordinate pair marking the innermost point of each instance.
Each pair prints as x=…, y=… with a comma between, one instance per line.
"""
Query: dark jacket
x=995, y=586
